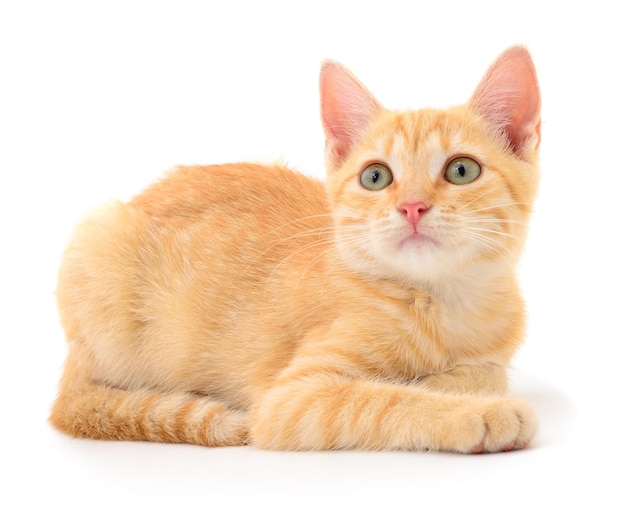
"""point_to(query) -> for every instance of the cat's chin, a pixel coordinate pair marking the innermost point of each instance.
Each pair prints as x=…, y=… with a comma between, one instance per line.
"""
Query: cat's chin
x=421, y=257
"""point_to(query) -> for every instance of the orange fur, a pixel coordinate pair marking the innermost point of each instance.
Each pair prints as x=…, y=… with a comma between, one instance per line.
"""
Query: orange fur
x=249, y=304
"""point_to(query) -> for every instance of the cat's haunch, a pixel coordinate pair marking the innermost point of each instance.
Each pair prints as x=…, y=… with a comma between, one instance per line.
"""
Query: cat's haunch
x=248, y=304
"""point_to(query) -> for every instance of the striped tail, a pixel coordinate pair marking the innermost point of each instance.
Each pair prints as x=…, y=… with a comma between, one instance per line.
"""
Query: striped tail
x=106, y=413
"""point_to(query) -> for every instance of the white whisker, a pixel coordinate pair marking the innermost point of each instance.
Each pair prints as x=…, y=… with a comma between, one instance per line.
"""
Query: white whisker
x=492, y=245
x=471, y=201
x=500, y=206
x=495, y=232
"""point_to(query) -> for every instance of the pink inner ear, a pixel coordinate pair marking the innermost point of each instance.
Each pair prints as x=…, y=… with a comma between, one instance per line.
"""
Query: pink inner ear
x=347, y=108
x=508, y=98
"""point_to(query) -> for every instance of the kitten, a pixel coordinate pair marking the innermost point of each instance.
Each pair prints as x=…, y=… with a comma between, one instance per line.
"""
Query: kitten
x=248, y=304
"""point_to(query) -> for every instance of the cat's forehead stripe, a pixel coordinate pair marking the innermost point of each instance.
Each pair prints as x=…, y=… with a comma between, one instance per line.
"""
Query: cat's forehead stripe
x=394, y=156
x=434, y=148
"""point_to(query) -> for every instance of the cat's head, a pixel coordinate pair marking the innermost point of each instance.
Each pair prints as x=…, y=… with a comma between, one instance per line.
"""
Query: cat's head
x=420, y=194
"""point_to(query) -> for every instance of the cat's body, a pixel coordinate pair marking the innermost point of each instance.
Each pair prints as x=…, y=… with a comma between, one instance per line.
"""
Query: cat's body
x=249, y=304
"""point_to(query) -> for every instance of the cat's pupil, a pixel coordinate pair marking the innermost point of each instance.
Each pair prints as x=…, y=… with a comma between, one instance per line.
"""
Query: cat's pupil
x=375, y=176
x=461, y=170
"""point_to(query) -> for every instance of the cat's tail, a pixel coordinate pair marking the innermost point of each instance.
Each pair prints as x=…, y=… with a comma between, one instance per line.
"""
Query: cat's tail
x=87, y=409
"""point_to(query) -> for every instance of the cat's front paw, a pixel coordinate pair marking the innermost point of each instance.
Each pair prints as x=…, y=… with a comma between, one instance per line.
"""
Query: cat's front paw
x=498, y=426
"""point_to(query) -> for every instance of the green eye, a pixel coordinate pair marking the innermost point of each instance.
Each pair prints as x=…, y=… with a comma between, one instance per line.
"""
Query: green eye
x=462, y=170
x=376, y=176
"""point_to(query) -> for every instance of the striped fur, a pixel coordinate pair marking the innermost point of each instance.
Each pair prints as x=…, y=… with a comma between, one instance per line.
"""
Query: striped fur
x=248, y=304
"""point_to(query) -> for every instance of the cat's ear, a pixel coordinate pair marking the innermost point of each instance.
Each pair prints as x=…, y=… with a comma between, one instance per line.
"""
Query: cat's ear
x=508, y=98
x=347, y=108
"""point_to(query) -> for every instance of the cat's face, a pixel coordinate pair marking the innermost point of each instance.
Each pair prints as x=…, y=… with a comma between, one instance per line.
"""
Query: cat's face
x=427, y=192
x=423, y=194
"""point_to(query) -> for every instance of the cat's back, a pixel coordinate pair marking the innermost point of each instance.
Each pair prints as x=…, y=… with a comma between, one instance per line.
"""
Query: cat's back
x=235, y=189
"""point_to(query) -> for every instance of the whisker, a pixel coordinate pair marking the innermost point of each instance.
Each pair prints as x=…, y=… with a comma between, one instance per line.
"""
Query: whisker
x=472, y=201
x=501, y=206
x=479, y=219
x=305, y=233
x=331, y=215
x=492, y=245
x=353, y=241
x=496, y=232
x=322, y=230
x=325, y=236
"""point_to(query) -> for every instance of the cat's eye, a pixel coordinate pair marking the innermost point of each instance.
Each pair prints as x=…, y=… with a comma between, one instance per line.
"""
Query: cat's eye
x=462, y=170
x=376, y=176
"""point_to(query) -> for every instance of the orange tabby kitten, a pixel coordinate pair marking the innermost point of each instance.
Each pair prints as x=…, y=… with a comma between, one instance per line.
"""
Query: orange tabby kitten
x=248, y=304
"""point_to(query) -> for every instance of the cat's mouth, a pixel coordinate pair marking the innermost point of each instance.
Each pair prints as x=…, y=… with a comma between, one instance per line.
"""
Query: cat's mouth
x=417, y=239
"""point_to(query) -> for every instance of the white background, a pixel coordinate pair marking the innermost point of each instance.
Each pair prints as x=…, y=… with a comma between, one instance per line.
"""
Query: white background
x=98, y=99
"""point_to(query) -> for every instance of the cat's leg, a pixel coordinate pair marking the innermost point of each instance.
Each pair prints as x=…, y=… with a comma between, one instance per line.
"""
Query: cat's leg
x=89, y=410
x=485, y=379
x=334, y=411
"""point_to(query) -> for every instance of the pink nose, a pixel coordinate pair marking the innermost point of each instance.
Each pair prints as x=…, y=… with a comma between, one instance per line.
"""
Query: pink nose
x=413, y=211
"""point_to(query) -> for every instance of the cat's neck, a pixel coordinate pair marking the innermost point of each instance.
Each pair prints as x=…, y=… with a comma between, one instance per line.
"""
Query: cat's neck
x=474, y=281
x=474, y=285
